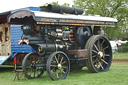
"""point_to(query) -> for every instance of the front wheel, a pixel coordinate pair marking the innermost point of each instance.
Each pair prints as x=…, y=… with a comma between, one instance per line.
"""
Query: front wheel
x=32, y=66
x=99, y=54
x=58, y=66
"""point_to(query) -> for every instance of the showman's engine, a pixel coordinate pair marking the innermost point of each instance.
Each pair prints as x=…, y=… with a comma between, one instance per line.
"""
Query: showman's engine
x=63, y=40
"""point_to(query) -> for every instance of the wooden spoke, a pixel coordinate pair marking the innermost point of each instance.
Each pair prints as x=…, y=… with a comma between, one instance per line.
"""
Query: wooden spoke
x=95, y=60
x=63, y=71
x=97, y=64
x=56, y=60
x=31, y=58
x=36, y=60
x=105, y=48
x=61, y=60
x=102, y=43
x=53, y=62
x=60, y=73
x=106, y=55
x=104, y=61
x=101, y=65
x=53, y=65
x=96, y=47
x=98, y=44
x=64, y=67
x=94, y=51
x=29, y=62
x=56, y=73
x=52, y=69
x=31, y=72
x=34, y=73
x=58, y=57
x=94, y=56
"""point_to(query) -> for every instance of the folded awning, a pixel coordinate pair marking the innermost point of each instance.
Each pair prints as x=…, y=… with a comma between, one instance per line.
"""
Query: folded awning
x=21, y=17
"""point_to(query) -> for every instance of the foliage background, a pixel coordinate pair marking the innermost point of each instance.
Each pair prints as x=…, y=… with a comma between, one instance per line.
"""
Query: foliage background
x=108, y=8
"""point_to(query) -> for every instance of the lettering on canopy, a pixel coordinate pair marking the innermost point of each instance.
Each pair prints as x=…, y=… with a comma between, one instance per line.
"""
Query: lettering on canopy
x=73, y=21
x=86, y=22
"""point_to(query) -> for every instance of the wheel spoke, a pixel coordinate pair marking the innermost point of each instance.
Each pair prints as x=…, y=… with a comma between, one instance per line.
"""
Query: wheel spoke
x=98, y=44
x=64, y=67
x=29, y=69
x=52, y=69
x=31, y=72
x=61, y=60
x=106, y=55
x=34, y=73
x=104, y=61
x=60, y=73
x=29, y=62
x=97, y=64
x=56, y=60
x=101, y=66
x=53, y=65
x=94, y=51
x=94, y=56
x=105, y=48
x=102, y=43
x=95, y=60
x=96, y=47
x=56, y=73
x=63, y=71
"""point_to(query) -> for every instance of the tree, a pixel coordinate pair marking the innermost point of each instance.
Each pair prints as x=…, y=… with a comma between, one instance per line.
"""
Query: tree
x=108, y=8
x=56, y=3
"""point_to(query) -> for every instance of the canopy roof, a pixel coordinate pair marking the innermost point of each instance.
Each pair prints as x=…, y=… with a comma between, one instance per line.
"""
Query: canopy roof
x=23, y=16
x=4, y=15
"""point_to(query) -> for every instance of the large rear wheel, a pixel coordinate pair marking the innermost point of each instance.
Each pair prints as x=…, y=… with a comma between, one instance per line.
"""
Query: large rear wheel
x=99, y=54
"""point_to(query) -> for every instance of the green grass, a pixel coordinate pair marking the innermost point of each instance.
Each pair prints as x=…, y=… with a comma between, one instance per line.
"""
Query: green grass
x=120, y=55
x=117, y=75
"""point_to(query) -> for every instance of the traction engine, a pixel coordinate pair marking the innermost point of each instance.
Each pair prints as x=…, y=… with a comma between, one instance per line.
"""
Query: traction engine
x=63, y=44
